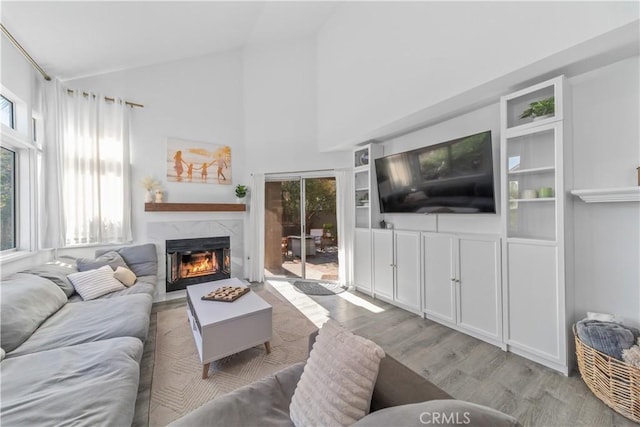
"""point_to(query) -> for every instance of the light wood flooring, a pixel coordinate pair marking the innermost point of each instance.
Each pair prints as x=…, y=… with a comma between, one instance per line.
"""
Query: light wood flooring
x=465, y=367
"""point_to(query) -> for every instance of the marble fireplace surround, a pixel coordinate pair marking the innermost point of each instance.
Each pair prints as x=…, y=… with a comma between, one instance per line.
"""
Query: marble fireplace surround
x=161, y=231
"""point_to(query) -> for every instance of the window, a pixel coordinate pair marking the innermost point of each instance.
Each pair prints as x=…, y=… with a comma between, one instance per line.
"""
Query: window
x=7, y=117
x=7, y=199
x=19, y=157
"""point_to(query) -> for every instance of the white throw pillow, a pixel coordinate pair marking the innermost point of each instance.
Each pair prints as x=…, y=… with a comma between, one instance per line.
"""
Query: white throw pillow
x=125, y=276
x=337, y=382
x=95, y=283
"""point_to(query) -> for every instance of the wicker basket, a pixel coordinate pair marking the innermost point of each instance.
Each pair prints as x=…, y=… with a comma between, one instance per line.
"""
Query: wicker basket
x=614, y=382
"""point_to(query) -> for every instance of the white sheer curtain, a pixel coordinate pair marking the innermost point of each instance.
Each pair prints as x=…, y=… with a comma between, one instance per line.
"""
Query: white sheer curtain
x=346, y=227
x=256, y=229
x=94, y=151
x=52, y=223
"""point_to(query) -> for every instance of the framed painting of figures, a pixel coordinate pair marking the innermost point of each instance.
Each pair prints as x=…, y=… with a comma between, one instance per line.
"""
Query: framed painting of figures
x=198, y=162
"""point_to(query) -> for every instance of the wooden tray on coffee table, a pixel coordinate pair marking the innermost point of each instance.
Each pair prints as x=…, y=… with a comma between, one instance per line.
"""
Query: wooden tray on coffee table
x=226, y=294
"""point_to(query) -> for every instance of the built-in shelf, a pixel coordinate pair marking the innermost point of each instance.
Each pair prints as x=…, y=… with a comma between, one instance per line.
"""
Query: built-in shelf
x=533, y=170
x=194, y=207
x=537, y=199
x=609, y=195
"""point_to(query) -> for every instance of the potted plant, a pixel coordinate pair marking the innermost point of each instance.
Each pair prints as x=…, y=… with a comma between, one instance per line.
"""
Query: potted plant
x=540, y=109
x=241, y=193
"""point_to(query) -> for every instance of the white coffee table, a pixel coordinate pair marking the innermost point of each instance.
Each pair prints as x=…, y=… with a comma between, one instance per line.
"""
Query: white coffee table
x=221, y=329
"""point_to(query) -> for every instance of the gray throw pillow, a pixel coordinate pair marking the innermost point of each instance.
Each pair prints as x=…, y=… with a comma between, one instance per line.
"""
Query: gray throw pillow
x=447, y=412
x=141, y=259
x=57, y=271
x=111, y=258
x=609, y=338
x=26, y=300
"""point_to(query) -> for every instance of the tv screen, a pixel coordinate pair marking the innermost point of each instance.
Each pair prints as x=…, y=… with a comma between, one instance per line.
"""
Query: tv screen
x=451, y=177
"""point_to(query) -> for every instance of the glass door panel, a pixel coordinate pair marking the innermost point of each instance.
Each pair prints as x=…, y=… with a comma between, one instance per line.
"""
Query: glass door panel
x=321, y=229
x=281, y=224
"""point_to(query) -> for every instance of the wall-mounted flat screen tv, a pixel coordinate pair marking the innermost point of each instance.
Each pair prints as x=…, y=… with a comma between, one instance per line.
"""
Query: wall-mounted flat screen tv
x=451, y=177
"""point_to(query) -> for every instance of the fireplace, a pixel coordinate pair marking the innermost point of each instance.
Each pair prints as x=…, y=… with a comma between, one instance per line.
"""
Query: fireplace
x=191, y=261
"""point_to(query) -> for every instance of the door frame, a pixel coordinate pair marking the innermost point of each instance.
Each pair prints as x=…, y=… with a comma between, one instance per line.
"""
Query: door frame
x=300, y=177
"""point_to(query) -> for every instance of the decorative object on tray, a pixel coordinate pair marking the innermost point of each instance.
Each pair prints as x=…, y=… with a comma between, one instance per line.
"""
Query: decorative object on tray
x=226, y=294
x=540, y=109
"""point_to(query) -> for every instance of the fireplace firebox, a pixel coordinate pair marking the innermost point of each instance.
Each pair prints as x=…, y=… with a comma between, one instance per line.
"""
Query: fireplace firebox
x=191, y=261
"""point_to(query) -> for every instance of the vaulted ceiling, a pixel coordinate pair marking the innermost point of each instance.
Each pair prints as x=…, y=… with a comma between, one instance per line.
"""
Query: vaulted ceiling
x=79, y=38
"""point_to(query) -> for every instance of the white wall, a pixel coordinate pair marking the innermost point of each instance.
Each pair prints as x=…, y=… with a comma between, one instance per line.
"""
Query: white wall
x=381, y=61
x=198, y=99
x=606, y=154
x=280, y=109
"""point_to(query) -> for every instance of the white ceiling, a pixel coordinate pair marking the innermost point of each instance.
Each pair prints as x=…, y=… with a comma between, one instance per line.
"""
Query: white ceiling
x=79, y=38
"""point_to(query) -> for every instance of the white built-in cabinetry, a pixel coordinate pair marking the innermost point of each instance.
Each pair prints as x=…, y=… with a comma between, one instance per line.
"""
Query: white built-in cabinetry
x=367, y=214
x=462, y=283
x=536, y=179
x=396, y=267
x=513, y=290
x=362, y=260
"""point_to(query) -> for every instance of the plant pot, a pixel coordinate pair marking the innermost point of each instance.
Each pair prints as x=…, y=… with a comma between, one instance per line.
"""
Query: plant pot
x=149, y=196
x=240, y=200
x=546, y=116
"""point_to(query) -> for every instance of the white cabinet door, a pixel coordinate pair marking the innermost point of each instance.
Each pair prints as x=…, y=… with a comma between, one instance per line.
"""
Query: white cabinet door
x=439, y=275
x=407, y=262
x=383, y=263
x=479, y=286
x=534, y=308
x=362, y=260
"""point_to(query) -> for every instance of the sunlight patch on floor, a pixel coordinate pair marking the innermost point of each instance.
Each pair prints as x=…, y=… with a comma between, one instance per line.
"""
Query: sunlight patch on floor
x=306, y=305
x=360, y=302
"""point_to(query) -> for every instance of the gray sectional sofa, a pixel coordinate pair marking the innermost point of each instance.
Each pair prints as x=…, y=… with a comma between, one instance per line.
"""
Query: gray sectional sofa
x=69, y=361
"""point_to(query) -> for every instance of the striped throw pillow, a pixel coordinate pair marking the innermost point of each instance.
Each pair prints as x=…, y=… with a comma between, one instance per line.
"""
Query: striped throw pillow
x=95, y=283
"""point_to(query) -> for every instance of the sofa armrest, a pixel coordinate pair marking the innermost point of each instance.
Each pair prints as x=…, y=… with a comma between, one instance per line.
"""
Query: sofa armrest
x=399, y=385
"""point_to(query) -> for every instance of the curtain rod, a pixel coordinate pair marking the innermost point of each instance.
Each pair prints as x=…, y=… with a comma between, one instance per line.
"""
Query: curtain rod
x=107, y=98
x=24, y=52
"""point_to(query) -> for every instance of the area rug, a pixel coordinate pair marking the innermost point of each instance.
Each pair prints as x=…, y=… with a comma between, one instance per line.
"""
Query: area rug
x=178, y=388
x=318, y=288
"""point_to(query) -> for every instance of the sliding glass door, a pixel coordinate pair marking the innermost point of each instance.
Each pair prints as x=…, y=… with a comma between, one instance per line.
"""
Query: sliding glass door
x=300, y=228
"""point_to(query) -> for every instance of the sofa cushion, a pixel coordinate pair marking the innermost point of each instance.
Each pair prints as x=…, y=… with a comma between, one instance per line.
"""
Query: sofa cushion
x=338, y=379
x=141, y=287
x=89, y=321
x=141, y=259
x=92, y=284
x=438, y=412
x=93, y=384
x=26, y=301
x=125, y=276
x=110, y=258
x=264, y=402
x=57, y=271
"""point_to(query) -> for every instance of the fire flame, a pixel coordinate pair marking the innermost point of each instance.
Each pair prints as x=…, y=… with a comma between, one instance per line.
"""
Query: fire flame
x=202, y=265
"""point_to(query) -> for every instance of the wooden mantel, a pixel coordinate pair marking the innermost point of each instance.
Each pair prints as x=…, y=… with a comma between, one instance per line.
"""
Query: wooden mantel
x=195, y=207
